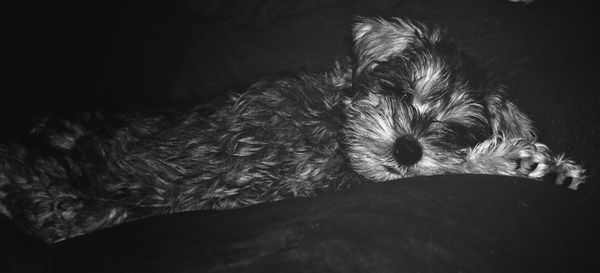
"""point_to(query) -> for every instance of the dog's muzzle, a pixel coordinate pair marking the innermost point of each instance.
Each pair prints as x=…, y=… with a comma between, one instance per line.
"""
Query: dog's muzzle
x=407, y=150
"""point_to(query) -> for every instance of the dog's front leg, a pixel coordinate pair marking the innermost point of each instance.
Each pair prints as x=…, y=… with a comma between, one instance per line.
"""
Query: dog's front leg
x=524, y=158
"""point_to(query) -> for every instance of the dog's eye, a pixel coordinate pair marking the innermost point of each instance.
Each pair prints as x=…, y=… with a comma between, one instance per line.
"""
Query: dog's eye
x=388, y=86
x=464, y=135
x=406, y=97
x=391, y=86
x=397, y=90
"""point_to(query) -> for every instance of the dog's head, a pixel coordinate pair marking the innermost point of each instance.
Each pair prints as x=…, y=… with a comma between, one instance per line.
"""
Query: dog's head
x=420, y=103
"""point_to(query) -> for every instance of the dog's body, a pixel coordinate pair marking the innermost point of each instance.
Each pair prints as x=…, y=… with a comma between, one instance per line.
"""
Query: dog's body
x=412, y=104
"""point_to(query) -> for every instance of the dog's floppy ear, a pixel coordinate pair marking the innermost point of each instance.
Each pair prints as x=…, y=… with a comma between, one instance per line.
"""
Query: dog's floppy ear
x=506, y=119
x=377, y=40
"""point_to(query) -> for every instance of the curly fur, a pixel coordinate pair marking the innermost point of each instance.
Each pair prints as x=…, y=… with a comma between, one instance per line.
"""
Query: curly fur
x=409, y=92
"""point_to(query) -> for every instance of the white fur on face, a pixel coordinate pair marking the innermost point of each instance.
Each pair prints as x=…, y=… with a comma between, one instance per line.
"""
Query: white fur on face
x=376, y=121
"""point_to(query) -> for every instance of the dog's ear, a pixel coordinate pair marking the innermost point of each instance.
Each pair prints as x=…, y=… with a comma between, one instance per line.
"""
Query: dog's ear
x=506, y=119
x=377, y=40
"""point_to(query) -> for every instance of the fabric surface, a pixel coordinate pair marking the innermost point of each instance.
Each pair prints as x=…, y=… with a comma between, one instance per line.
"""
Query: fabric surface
x=461, y=223
x=465, y=223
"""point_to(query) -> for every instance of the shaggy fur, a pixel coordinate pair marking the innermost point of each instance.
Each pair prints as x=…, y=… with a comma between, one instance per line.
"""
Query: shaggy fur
x=411, y=104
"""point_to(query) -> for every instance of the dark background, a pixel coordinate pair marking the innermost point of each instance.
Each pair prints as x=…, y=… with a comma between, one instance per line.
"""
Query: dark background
x=62, y=57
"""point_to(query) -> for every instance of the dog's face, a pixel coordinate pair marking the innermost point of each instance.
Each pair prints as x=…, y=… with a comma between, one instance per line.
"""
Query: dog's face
x=420, y=104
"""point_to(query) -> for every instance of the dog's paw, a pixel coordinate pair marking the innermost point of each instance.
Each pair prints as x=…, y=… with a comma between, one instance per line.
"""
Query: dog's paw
x=58, y=133
x=565, y=172
x=62, y=133
x=535, y=161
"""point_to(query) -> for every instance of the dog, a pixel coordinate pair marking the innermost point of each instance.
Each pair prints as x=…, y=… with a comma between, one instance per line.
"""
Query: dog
x=409, y=103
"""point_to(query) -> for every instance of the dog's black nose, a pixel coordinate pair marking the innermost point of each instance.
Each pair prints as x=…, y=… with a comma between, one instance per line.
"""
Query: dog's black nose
x=407, y=150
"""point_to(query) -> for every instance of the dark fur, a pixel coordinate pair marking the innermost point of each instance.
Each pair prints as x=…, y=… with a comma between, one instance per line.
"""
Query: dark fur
x=280, y=139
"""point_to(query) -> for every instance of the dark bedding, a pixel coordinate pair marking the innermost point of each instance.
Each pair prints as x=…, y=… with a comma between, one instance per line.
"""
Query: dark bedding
x=465, y=223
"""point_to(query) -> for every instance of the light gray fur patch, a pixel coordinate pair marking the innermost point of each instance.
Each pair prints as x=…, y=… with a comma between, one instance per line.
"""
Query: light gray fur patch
x=378, y=39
